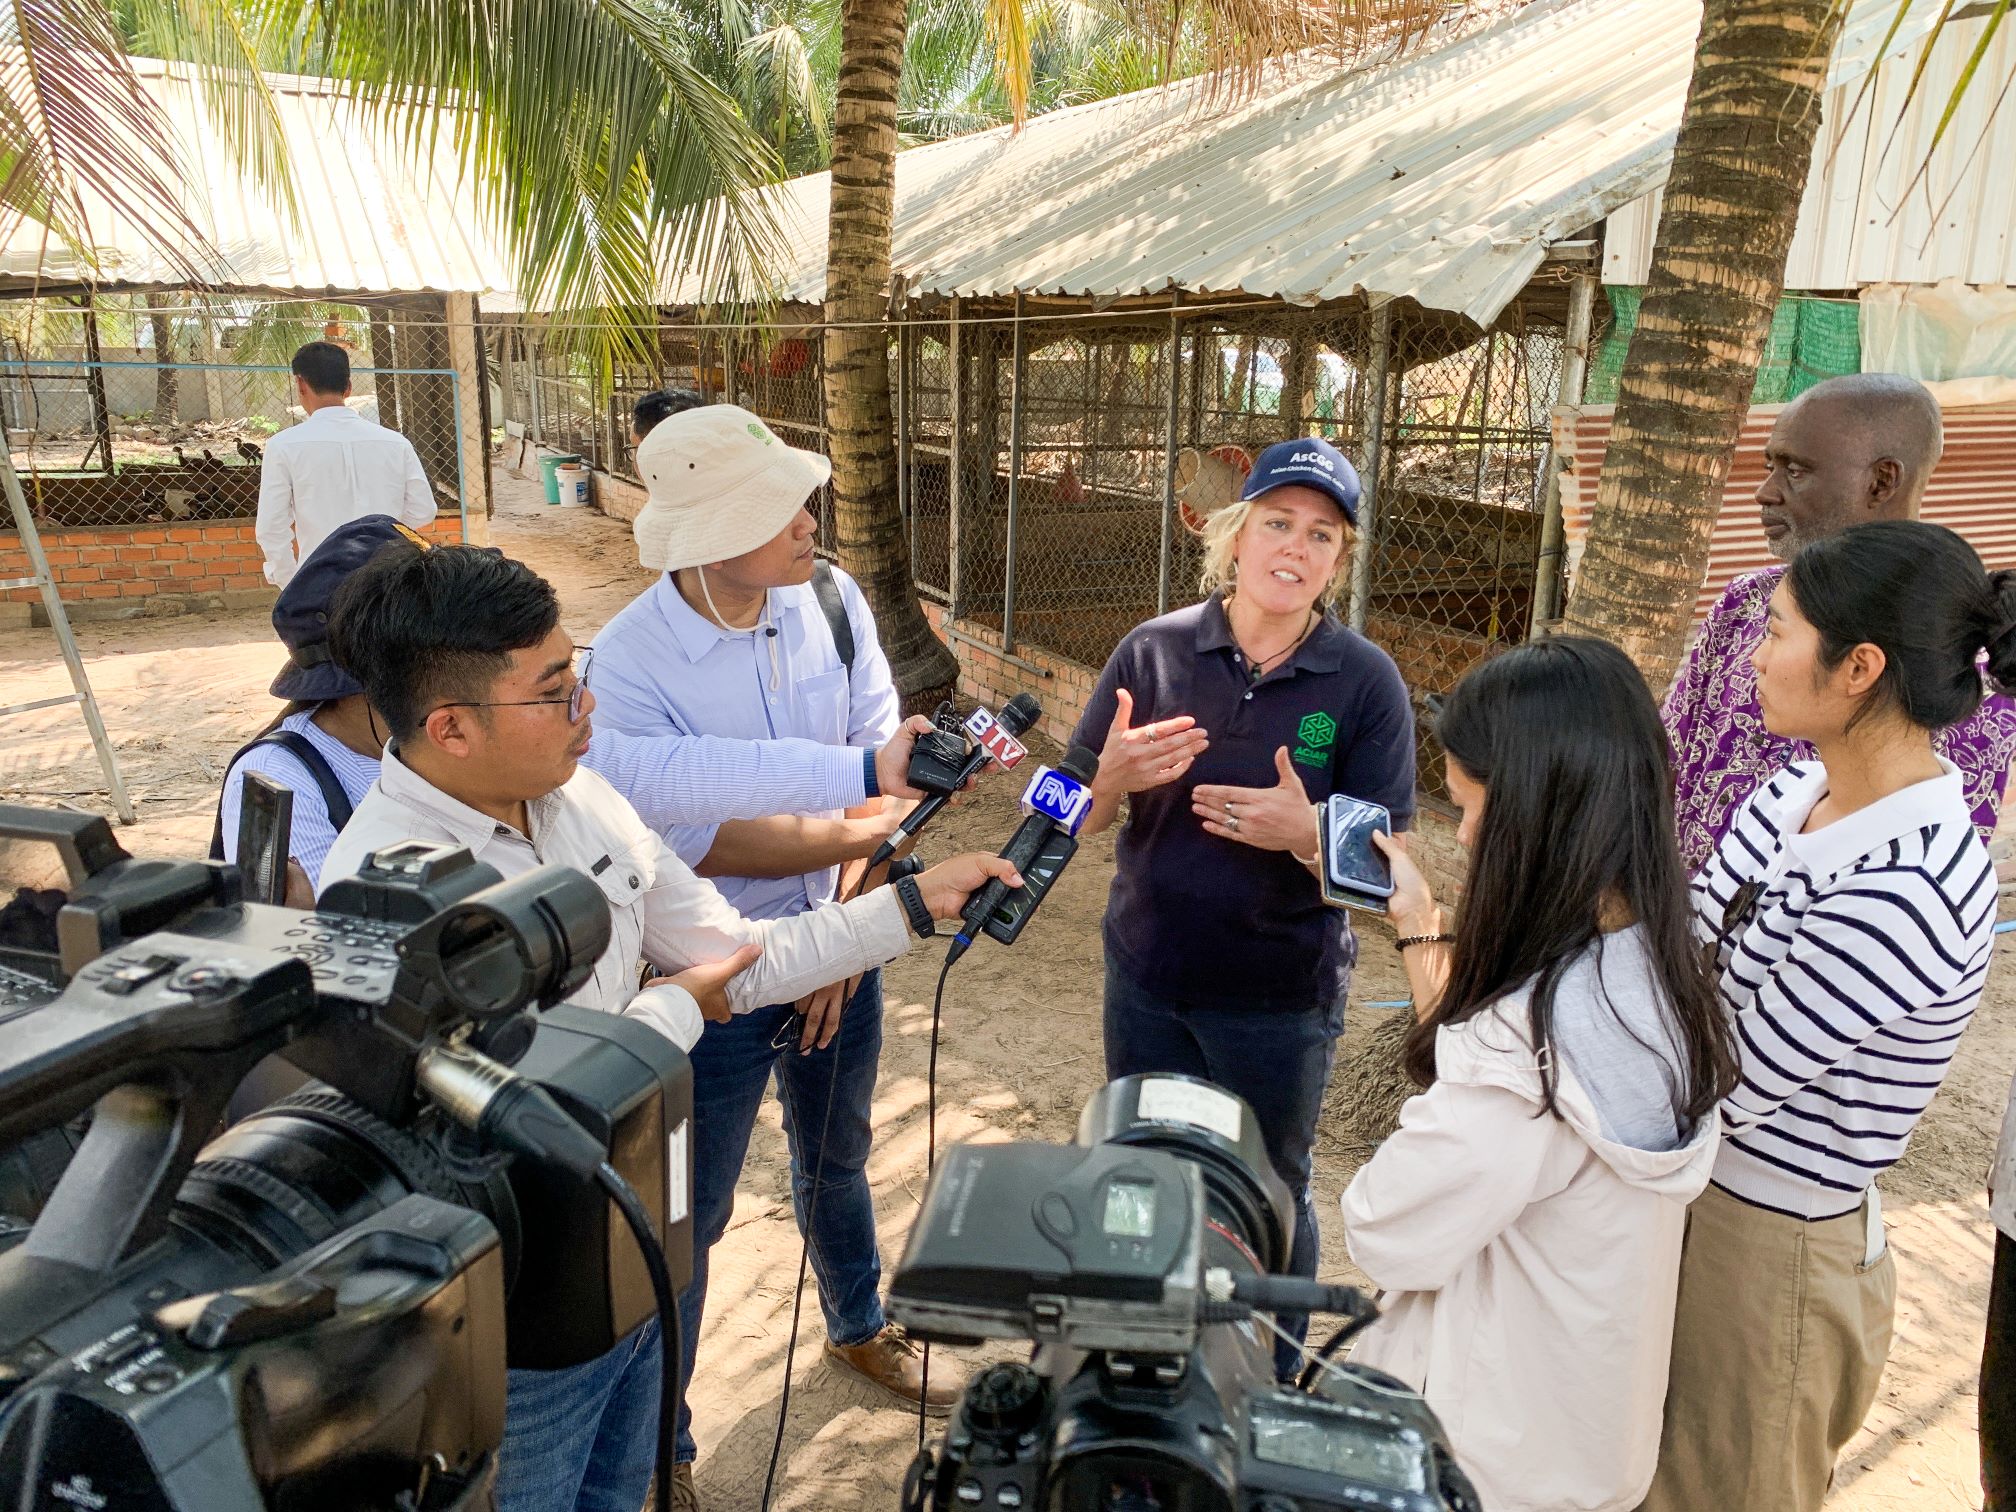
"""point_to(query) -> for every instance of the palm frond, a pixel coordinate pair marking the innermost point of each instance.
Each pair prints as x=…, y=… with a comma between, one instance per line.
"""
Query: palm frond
x=76, y=124
x=586, y=132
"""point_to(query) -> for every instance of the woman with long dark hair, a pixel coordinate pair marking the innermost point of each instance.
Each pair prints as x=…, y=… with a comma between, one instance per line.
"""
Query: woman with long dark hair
x=1849, y=909
x=1526, y=1216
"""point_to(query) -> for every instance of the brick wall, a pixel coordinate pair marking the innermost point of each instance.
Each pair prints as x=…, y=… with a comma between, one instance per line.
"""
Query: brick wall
x=121, y=571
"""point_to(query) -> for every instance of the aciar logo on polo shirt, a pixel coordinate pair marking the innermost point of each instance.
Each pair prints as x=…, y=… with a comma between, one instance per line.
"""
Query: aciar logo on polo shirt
x=1313, y=738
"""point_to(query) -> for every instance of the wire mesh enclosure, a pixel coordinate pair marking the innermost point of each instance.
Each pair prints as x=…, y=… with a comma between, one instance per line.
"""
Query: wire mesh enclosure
x=156, y=409
x=1043, y=450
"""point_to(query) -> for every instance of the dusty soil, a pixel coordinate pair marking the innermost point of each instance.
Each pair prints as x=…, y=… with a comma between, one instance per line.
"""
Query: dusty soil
x=1019, y=1054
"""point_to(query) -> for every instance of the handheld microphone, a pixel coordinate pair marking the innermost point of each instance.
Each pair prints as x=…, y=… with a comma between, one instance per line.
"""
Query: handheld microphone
x=1059, y=800
x=994, y=741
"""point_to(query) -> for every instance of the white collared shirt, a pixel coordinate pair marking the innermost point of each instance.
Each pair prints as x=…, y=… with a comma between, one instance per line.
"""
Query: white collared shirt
x=659, y=910
x=1850, y=959
x=332, y=468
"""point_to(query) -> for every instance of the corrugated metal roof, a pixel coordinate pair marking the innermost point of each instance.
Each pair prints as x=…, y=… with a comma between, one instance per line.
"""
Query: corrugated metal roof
x=1443, y=176
x=375, y=218
x=1970, y=491
x=1863, y=220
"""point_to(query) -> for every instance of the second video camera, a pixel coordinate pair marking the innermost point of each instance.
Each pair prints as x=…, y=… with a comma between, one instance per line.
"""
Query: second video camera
x=1138, y=1259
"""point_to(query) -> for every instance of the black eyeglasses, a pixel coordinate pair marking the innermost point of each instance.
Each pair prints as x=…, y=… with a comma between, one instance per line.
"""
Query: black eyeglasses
x=572, y=701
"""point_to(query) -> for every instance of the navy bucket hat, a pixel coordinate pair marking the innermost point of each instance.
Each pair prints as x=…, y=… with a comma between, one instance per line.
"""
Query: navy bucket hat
x=1311, y=462
x=301, y=615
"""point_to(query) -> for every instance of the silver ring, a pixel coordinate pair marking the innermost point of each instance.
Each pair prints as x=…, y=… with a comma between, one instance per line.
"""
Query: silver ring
x=1232, y=824
x=1228, y=808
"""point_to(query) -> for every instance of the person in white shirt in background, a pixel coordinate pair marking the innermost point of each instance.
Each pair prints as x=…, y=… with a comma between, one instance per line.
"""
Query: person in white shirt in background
x=1525, y=1220
x=461, y=652
x=332, y=468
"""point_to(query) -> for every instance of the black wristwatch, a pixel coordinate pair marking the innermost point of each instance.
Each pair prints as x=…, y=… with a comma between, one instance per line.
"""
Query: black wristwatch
x=911, y=896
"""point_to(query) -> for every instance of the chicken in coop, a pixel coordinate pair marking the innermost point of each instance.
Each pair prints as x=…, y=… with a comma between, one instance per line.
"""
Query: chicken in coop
x=248, y=452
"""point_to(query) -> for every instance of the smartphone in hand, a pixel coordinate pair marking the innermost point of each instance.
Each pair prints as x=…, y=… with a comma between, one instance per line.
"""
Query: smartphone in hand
x=1355, y=873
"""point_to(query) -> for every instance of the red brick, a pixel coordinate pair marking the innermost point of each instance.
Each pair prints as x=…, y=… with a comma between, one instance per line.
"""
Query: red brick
x=118, y=572
x=91, y=554
x=225, y=532
x=187, y=569
x=137, y=554
x=139, y=588
x=93, y=591
x=205, y=551
x=171, y=553
x=204, y=585
x=186, y=533
x=59, y=556
x=78, y=575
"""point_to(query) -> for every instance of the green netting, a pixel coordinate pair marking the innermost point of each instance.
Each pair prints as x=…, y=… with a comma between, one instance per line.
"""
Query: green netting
x=1810, y=339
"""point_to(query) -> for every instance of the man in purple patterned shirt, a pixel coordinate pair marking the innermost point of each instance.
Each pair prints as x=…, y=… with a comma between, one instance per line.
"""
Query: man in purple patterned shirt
x=1846, y=451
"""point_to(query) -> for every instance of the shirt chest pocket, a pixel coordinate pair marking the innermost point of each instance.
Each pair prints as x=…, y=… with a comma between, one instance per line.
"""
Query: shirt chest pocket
x=623, y=877
x=823, y=697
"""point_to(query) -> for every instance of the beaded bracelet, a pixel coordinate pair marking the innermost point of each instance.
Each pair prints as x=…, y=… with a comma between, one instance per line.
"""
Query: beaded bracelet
x=1430, y=939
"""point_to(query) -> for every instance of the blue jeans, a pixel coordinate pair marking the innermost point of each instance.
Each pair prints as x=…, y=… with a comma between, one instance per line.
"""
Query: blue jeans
x=1278, y=1062
x=583, y=1439
x=732, y=1067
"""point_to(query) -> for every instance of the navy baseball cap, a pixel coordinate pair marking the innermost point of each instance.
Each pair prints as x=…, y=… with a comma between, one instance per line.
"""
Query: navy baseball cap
x=1311, y=462
x=301, y=615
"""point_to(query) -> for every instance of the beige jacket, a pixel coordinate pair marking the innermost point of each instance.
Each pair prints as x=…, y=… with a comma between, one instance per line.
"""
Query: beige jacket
x=1530, y=1266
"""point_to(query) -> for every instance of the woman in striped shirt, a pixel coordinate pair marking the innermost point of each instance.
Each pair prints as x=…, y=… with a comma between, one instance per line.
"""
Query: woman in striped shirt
x=1849, y=910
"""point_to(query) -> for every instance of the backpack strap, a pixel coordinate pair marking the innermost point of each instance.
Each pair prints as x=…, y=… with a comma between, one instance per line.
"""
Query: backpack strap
x=302, y=749
x=827, y=591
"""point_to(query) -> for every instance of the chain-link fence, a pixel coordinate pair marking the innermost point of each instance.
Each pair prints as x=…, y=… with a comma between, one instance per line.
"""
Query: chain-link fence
x=130, y=442
x=1045, y=458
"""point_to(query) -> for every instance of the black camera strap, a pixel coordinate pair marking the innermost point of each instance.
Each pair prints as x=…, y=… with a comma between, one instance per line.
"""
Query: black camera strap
x=827, y=591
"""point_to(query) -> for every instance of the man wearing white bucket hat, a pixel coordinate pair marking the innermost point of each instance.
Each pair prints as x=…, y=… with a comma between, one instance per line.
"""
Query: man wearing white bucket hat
x=747, y=637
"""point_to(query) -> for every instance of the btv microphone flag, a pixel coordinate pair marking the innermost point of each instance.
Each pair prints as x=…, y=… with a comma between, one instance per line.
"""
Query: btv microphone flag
x=1058, y=797
x=1017, y=715
x=998, y=742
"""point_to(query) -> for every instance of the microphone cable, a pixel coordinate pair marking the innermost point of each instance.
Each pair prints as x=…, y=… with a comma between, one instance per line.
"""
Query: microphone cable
x=805, y=1231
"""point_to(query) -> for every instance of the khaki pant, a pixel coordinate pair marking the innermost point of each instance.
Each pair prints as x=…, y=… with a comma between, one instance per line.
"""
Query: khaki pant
x=1779, y=1341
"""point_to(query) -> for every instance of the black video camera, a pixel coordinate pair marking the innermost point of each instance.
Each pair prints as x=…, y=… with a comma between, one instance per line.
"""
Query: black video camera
x=1137, y=1259
x=315, y=1307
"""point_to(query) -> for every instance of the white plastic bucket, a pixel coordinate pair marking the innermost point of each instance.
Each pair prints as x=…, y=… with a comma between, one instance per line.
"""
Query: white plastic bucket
x=573, y=484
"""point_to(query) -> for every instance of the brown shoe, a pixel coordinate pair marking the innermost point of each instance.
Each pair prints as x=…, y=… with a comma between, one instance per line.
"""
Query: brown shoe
x=892, y=1362
x=684, y=1497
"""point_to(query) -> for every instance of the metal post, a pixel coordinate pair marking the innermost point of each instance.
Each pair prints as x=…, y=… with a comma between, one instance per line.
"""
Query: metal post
x=1483, y=419
x=94, y=382
x=1018, y=372
x=903, y=500
x=1375, y=429
x=955, y=382
x=1168, y=548
x=1574, y=371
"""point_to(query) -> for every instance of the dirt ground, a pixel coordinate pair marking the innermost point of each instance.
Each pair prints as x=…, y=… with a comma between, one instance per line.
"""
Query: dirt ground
x=1020, y=1053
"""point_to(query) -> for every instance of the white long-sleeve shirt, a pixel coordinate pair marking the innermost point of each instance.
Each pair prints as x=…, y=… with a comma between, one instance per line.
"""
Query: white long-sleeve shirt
x=659, y=910
x=332, y=468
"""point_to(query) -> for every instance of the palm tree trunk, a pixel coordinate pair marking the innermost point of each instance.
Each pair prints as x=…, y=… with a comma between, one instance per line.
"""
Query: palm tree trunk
x=860, y=433
x=166, y=388
x=1718, y=266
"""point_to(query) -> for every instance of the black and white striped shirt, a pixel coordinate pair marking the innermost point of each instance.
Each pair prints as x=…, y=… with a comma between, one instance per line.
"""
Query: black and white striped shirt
x=1851, y=959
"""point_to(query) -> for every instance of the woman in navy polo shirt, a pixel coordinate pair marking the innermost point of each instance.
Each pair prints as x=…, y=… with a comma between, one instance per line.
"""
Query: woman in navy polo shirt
x=1223, y=724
